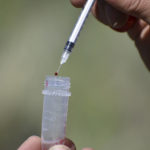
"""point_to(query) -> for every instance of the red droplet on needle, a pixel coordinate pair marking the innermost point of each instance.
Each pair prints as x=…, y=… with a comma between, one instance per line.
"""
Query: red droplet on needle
x=56, y=73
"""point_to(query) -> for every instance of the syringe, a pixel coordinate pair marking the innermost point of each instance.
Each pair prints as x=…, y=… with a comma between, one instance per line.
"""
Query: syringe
x=76, y=31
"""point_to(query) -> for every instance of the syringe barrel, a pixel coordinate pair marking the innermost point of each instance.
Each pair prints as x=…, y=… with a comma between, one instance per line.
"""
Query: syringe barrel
x=76, y=31
x=55, y=108
x=81, y=20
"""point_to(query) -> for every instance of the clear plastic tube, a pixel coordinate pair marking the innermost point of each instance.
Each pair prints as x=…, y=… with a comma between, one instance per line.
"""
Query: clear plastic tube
x=55, y=108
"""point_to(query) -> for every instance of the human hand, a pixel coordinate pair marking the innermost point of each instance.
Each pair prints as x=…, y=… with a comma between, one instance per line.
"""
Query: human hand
x=115, y=13
x=34, y=143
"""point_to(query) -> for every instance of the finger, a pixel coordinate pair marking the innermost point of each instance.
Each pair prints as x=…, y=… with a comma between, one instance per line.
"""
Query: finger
x=140, y=33
x=136, y=30
x=78, y=3
x=59, y=147
x=115, y=18
x=137, y=8
x=32, y=143
x=109, y=15
x=87, y=148
x=143, y=46
x=98, y=11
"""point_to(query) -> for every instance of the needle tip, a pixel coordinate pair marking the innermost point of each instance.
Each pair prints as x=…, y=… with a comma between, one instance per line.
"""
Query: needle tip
x=56, y=73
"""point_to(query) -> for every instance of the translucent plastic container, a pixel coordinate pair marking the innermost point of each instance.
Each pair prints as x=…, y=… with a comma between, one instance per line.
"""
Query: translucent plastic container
x=55, y=108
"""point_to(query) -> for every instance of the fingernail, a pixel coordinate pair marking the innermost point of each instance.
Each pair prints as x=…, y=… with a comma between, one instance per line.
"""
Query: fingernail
x=59, y=147
x=115, y=18
x=115, y=24
x=87, y=148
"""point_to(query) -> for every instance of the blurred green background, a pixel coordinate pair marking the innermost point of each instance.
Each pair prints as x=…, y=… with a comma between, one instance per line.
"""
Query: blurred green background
x=110, y=103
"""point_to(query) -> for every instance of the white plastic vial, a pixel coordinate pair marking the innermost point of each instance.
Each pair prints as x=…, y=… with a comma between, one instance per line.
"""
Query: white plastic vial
x=56, y=95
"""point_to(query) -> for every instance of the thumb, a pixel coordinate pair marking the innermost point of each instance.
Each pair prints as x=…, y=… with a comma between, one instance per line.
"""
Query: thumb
x=59, y=147
x=137, y=8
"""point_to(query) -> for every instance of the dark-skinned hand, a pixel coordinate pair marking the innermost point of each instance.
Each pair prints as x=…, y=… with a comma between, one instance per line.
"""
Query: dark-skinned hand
x=115, y=13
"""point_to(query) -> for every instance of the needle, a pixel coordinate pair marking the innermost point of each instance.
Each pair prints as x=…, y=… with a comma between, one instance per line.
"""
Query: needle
x=56, y=73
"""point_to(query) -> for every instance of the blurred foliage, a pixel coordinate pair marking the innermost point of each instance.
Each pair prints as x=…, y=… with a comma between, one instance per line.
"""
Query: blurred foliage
x=109, y=107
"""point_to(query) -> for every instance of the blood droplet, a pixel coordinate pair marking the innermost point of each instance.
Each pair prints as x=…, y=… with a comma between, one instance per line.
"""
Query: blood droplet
x=56, y=73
